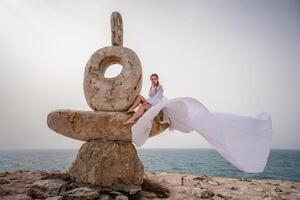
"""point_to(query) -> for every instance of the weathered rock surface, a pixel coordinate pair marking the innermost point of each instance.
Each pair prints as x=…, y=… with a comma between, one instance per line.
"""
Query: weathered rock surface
x=116, y=24
x=92, y=125
x=113, y=164
x=22, y=185
x=117, y=93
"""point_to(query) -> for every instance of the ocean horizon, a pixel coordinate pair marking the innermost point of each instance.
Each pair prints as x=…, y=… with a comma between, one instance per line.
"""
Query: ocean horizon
x=283, y=164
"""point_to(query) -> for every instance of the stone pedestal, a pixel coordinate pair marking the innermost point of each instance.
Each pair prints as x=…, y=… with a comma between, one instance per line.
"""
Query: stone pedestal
x=109, y=164
x=108, y=158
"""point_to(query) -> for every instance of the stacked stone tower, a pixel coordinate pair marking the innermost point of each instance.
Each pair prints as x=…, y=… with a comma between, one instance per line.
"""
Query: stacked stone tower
x=108, y=158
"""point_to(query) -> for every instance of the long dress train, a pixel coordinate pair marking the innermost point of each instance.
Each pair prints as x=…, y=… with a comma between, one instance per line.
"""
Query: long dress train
x=244, y=141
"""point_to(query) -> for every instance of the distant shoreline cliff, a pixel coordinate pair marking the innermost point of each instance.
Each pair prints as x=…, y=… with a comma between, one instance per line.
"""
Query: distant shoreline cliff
x=57, y=185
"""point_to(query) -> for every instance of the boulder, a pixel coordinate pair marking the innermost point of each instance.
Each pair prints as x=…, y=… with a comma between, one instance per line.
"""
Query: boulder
x=111, y=164
x=92, y=125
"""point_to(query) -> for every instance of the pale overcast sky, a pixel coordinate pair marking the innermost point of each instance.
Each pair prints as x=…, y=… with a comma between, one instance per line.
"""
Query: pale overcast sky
x=233, y=56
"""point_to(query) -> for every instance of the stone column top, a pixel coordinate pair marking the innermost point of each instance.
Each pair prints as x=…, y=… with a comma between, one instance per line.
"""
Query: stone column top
x=116, y=24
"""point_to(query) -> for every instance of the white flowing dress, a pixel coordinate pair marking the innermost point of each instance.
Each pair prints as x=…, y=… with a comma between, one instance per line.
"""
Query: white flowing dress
x=244, y=141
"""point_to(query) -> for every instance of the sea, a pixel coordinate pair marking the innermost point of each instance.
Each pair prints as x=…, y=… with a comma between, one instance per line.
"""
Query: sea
x=282, y=164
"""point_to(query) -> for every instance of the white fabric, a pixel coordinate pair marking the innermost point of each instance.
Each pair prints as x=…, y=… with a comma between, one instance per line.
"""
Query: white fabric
x=155, y=94
x=244, y=141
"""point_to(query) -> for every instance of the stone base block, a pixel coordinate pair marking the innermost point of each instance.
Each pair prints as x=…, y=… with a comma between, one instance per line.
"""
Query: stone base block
x=108, y=164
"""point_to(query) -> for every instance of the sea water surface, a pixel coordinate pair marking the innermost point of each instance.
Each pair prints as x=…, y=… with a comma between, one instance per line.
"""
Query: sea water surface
x=282, y=164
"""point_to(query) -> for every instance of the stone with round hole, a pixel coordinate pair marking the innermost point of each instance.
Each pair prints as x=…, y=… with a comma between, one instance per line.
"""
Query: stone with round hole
x=116, y=93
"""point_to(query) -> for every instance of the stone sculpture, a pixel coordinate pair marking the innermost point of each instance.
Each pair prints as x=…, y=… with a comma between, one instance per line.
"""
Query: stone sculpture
x=108, y=158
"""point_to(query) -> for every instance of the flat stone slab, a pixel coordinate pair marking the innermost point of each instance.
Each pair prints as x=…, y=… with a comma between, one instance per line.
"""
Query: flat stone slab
x=93, y=125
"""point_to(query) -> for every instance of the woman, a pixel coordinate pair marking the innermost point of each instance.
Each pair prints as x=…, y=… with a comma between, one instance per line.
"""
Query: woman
x=242, y=140
x=155, y=96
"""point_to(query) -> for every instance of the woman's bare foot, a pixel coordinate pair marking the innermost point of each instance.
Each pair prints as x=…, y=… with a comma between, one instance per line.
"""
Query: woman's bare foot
x=130, y=111
x=129, y=121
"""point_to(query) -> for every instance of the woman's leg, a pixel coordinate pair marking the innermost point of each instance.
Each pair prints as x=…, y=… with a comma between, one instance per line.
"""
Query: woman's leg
x=141, y=110
x=138, y=100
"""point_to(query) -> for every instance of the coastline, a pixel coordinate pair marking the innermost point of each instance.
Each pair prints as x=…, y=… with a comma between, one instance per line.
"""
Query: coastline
x=57, y=185
x=282, y=164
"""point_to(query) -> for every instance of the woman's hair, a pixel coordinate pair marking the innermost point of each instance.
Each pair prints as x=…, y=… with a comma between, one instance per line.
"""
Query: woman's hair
x=154, y=74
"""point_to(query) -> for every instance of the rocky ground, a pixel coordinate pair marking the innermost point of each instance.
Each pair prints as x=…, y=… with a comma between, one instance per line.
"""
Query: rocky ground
x=57, y=185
